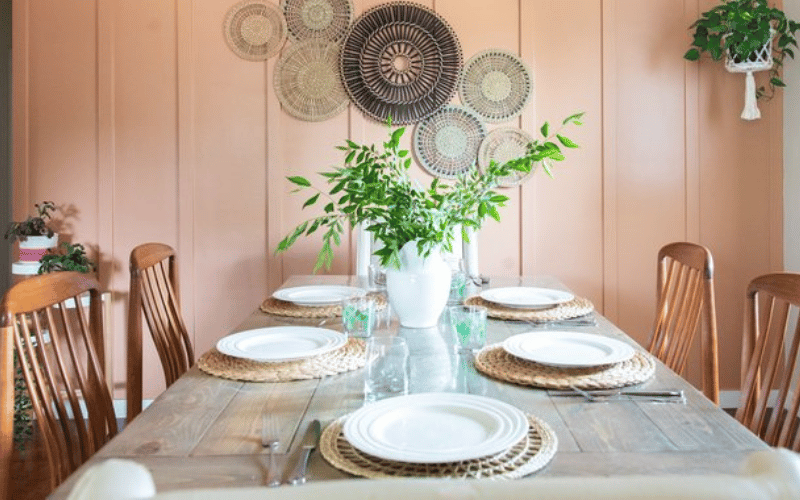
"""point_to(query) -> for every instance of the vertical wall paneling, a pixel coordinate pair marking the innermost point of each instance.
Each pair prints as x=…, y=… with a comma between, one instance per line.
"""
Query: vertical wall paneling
x=115, y=355
x=609, y=89
x=186, y=160
x=5, y=139
x=168, y=136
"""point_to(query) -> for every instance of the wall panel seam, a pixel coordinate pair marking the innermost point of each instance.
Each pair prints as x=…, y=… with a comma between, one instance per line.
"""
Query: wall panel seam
x=610, y=278
x=20, y=61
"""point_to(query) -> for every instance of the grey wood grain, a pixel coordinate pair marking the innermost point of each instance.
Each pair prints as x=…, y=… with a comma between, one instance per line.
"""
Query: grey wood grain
x=205, y=432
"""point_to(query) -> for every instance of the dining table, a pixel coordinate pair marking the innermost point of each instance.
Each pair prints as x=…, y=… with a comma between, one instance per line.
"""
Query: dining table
x=205, y=431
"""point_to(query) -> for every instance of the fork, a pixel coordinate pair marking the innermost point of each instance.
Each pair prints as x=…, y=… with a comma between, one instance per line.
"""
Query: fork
x=270, y=442
x=661, y=397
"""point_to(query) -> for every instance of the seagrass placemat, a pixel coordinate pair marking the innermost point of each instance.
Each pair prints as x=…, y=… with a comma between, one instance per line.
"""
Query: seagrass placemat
x=496, y=362
x=529, y=455
x=347, y=358
x=571, y=309
x=283, y=308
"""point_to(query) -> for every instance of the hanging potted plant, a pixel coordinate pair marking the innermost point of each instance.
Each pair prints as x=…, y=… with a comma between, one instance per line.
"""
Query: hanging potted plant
x=34, y=234
x=412, y=224
x=751, y=36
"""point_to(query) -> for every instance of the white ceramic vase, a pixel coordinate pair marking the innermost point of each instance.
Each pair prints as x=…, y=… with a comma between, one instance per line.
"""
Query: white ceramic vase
x=419, y=290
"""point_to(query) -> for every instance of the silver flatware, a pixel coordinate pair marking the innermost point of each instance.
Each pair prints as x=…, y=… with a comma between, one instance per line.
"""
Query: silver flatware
x=270, y=442
x=309, y=443
x=596, y=396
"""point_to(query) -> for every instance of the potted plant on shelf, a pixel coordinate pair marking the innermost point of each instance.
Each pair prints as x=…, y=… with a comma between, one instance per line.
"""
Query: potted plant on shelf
x=412, y=224
x=34, y=234
x=752, y=36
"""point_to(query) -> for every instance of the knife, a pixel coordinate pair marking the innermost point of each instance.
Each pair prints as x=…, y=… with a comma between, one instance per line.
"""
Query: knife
x=310, y=440
x=650, y=394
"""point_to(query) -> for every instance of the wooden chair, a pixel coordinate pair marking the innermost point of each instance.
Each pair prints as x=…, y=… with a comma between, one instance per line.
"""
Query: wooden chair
x=60, y=350
x=685, y=292
x=154, y=295
x=770, y=394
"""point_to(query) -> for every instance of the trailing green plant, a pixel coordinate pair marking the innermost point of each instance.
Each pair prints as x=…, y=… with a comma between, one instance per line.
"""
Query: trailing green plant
x=35, y=225
x=374, y=188
x=71, y=258
x=23, y=408
x=743, y=27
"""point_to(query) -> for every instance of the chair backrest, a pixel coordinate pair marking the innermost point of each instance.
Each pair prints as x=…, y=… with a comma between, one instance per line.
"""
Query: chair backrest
x=685, y=293
x=59, y=348
x=154, y=295
x=770, y=394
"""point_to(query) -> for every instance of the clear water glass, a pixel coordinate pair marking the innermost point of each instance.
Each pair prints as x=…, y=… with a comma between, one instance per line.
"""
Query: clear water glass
x=468, y=324
x=358, y=316
x=386, y=373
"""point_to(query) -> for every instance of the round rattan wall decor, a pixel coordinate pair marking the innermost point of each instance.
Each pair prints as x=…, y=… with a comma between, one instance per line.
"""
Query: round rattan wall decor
x=446, y=144
x=322, y=19
x=496, y=84
x=307, y=81
x=402, y=60
x=503, y=144
x=255, y=30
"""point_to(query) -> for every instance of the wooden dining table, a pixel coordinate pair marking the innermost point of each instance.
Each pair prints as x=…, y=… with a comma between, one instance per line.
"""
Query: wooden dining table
x=205, y=431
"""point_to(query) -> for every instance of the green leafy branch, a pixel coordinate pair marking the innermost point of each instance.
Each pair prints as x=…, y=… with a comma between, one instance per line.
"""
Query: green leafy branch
x=374, y=188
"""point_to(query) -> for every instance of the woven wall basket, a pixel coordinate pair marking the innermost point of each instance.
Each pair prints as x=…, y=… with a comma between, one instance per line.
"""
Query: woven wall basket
x=504, y=144
x=401, y=60
x=446, y=144
x=760, y=60
x=307, y=81
x=496, y=84
x=254, y=30
x=321, y=19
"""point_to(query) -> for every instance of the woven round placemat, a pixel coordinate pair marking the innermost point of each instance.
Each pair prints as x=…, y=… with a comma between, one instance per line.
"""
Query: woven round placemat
x=319, y=19
x=446, y=144
x=351, y=356
x=307, y=81
x=504, y=144
x=531, y=454
x=571, y=309
x=282, y=308
x=496, y=84
x=494, y=361
x=254, y=30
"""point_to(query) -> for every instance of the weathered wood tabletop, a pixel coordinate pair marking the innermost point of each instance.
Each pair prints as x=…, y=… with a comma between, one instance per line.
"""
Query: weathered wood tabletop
x=206, y=431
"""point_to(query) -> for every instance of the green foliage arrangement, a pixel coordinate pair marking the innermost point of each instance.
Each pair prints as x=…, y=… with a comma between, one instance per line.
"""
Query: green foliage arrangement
x=72, y=258
x=373, y=187
x=34, y=225
x=742, y=27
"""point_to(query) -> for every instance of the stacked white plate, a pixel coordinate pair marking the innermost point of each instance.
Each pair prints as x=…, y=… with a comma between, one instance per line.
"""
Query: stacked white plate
x=567, y=349
x=522, y=297
x=317, y=295
x=435, y=428
x=281, y=343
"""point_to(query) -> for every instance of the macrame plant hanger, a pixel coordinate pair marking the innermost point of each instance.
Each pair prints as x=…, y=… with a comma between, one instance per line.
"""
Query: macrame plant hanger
x=761, y=60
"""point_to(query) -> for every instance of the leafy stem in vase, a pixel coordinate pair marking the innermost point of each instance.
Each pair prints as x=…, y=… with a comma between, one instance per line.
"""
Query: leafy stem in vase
x=373, y=187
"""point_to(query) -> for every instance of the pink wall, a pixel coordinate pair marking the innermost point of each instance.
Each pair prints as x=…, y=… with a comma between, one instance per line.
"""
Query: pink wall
x=138, y=116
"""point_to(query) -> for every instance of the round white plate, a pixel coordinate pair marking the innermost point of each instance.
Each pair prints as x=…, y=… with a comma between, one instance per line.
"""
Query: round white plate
x=526, y=297
x=568, y=349
x=435, y=427
x=317, y=295
x=281, y=343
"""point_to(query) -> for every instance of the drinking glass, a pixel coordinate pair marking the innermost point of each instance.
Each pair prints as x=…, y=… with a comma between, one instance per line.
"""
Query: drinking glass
x=387, y=368
x=358, y=316
x=468, y=324
x=458, y=280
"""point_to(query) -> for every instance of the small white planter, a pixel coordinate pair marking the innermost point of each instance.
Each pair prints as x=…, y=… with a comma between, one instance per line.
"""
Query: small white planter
x=34, y=247
x=418, y=291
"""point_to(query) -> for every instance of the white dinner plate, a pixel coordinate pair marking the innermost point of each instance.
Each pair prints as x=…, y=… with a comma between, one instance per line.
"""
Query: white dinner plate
x=281, y=343
x=525, y=297
x=568, y=349
x=317, y=295
x=435, y=427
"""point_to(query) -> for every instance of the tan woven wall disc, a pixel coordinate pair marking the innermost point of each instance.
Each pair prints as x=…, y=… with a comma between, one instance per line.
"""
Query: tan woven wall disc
x=494, y=361
x=572, y=309
x=351, y=356
x=531, y=454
